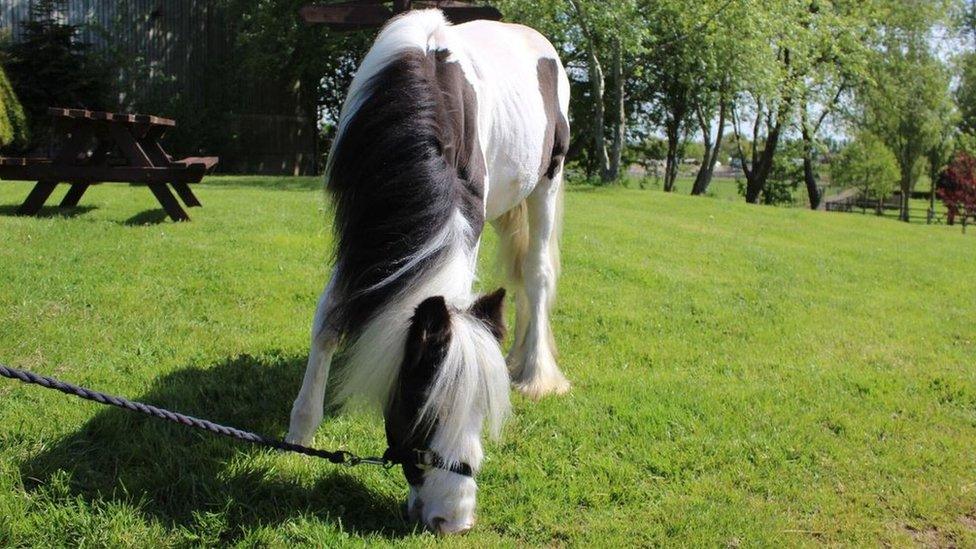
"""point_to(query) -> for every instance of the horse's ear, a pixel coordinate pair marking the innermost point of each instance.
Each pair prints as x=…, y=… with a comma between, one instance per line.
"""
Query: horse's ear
x=429, y=327
x=490, y=309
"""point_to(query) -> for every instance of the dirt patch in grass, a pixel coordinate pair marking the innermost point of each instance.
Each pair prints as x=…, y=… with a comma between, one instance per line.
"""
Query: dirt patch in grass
x=969, y=521
x=925, y=537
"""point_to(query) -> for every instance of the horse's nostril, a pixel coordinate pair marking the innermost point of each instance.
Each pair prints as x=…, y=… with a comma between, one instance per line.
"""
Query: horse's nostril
x=437, y=523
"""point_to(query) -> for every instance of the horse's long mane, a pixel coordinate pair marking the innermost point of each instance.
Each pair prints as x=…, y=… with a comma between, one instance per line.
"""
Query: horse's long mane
x=407, y=186
x=395, y=188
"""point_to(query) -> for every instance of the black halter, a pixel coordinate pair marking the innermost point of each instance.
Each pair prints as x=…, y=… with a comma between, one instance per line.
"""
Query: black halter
x=424, y=460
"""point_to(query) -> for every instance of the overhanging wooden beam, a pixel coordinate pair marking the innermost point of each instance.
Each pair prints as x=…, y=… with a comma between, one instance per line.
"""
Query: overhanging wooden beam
x=346, y=13
x=464, y=14
x=360, y=14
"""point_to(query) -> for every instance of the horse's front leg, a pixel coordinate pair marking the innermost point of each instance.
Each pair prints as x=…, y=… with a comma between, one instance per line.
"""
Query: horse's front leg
x=533, y=357
x=309, y=407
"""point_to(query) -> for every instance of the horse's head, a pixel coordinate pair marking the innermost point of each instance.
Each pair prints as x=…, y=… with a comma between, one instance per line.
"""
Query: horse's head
x=453, y=379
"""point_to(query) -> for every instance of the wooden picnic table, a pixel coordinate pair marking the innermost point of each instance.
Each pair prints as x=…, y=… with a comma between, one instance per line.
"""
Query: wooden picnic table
x=109, y=147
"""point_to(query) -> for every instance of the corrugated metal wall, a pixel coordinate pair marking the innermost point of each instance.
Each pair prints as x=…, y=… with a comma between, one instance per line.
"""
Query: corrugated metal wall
x=169, y=49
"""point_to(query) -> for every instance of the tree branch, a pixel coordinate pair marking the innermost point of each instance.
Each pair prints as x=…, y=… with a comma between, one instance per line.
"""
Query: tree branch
x=830, y=106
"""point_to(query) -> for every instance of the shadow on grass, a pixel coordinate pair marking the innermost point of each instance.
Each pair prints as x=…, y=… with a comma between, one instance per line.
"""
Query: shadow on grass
x=48, y=211
x=148, y=217
x=176, y=475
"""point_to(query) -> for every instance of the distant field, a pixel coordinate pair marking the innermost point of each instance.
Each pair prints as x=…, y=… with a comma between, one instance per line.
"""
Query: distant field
x=743, y=376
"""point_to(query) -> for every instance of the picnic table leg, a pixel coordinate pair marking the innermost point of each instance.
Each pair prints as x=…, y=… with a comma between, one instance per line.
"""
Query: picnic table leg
x=37, y=197
x=186, y=195
x=74, y=195
x=168, y=202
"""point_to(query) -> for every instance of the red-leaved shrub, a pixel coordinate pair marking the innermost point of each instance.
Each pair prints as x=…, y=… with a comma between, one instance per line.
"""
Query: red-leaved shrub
x=957, y=186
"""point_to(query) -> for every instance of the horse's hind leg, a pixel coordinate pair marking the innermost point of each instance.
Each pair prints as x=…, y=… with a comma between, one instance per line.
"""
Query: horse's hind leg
x=308, y=410
x=532, y=360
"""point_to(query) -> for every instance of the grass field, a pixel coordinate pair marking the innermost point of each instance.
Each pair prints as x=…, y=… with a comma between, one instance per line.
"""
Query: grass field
x=743, y=376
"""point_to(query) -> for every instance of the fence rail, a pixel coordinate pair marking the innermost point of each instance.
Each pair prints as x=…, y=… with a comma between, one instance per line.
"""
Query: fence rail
x=852, y=201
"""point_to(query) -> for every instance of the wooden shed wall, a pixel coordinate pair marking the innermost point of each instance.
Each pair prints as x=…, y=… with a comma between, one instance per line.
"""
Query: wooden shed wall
x=169, y=52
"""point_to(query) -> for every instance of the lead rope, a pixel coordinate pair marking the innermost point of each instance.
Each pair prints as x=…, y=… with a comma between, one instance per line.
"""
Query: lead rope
x=339, y=457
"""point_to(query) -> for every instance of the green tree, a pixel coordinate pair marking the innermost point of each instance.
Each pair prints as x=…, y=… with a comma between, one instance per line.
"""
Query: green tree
x=316, y=64
x=907, y=104
x=764, y=105
x=595, y=34
x=728, y=40
x=965, y=94
x=692, y=65
x=868, y=165
x=667, y=86
x=837, y=43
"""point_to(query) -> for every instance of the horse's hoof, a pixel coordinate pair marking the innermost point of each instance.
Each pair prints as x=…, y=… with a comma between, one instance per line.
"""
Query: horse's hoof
x=300, y=440
x=539, y=388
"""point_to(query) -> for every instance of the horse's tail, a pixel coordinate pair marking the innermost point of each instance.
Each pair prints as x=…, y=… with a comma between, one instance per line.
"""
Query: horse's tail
x=513, y=241
x=513, y=235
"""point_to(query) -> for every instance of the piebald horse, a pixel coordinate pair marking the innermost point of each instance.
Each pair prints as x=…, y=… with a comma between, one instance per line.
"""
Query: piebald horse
x=444, y=127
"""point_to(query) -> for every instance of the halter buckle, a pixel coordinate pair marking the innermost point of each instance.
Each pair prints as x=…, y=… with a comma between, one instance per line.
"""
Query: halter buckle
x=424, y=461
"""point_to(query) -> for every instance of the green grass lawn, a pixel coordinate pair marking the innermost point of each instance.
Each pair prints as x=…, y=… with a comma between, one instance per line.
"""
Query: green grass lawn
x=742, y=375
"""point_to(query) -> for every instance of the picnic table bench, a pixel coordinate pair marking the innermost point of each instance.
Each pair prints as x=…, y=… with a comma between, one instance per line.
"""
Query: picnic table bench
x=103, y=147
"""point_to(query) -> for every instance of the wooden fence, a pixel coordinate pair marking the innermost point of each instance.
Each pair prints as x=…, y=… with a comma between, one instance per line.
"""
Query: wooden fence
x=852, y=201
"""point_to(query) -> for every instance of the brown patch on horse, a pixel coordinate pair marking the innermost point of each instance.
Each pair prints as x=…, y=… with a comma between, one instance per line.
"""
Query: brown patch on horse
x=556, y=140
x=460, y=143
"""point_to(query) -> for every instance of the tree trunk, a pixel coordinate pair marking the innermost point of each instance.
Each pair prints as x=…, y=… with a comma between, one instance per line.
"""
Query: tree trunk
x=761, y=166
x=757, y=176
x=754, y=184
x=757, y=172
x=813, y=192
x=906, y=192
x=619, y=115
x=672, y=130
x=704, y=177
x=599, y=140
x=704, y=124
x=671, y=167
